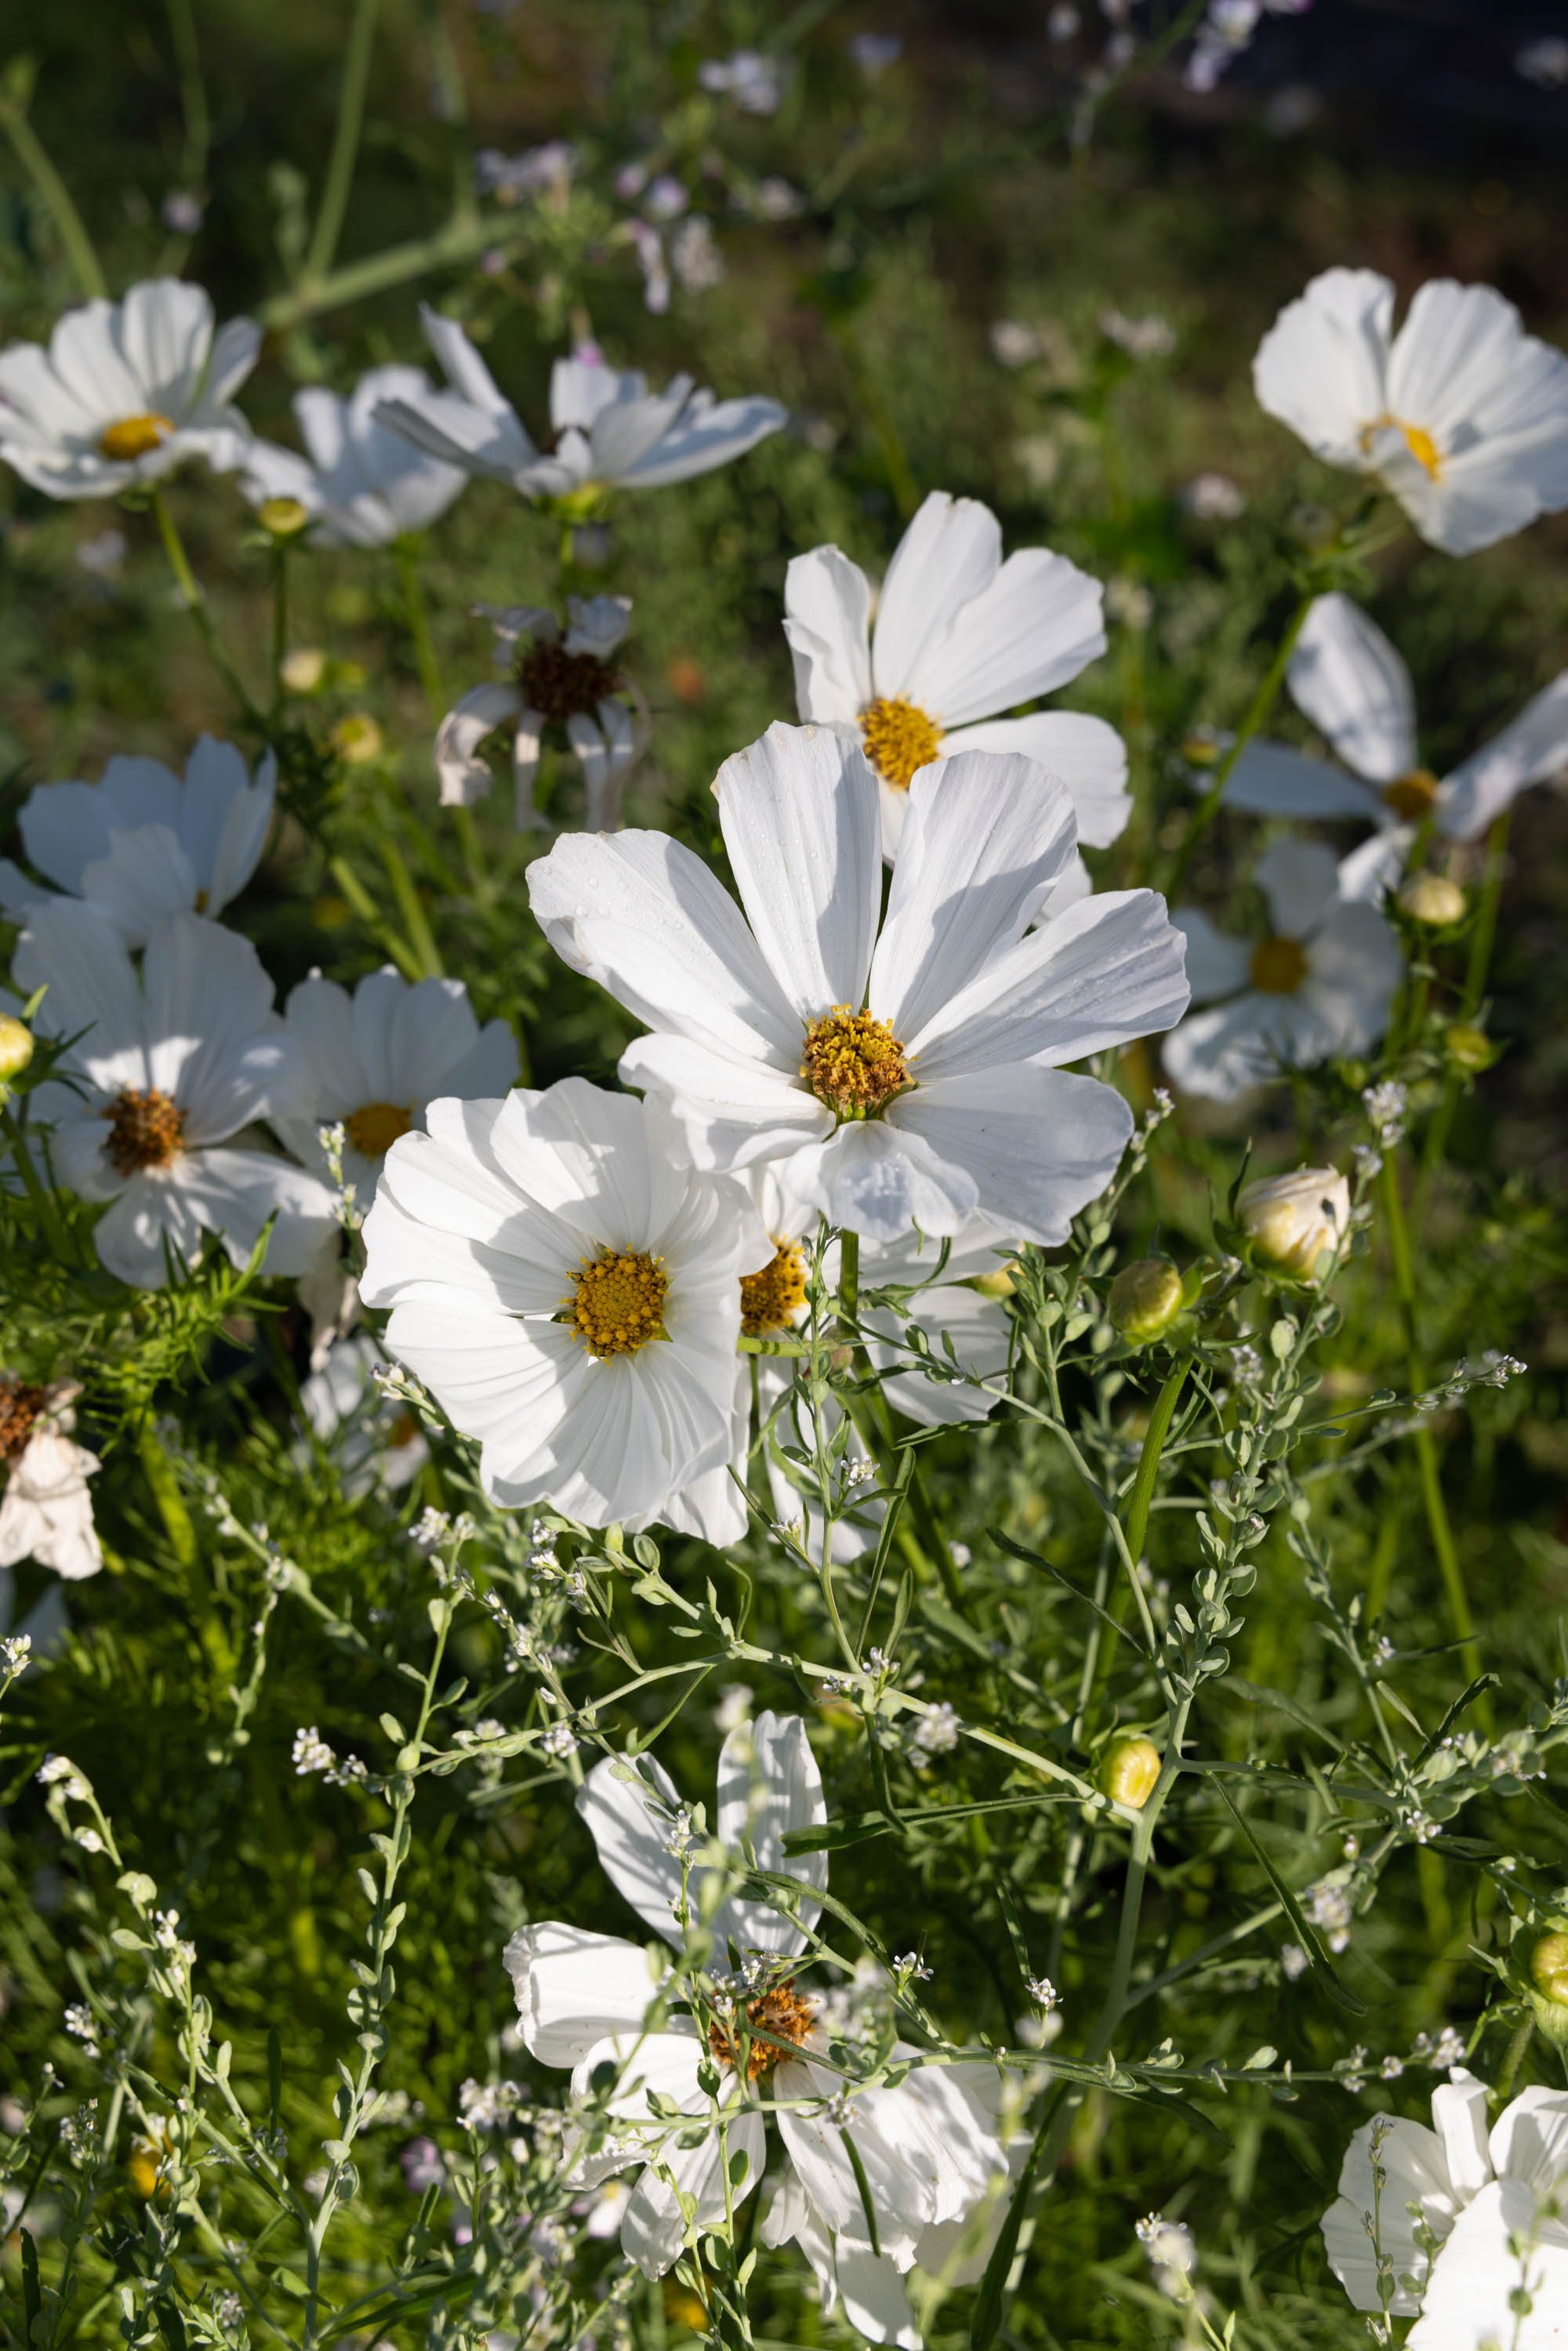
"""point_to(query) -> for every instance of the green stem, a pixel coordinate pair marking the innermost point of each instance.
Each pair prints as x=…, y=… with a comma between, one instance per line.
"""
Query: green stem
x=416, y=925
x=345, y=142
x=193, y=94
x=849, y=1283
x=40, y=1198
x=30, y=154
x=1136, y=1524
x=1262, y=703
x=1483, y=938
x=280, y=617
x=195, y=604
x=405, y=553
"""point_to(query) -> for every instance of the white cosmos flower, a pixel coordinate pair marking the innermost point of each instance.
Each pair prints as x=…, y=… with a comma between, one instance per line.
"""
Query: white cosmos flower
x=959, y=635
x=1320, y=983
x=1472, y=2190
x=46, y=1512
x=125, y=391
x=375, y=1059
x=1461, y=415
x=168, y=1067
x=1350, y=682
x=567, y=678
x=611, y=432
x=140, y=845
x=906, y=1080
x=362, y=483
x=373, y=1440
x=569, y=1292
x=928, y=2151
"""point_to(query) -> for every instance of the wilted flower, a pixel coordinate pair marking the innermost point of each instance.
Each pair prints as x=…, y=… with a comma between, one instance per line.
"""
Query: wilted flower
x=46, y=1511
x=564, y=678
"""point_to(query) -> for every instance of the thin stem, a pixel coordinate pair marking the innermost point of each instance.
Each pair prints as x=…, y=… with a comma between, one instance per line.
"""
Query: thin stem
x=416, y=925
x=30, y=154
x=195, y=603
x=1262, y=703
x=1483, y=938
x=345, y=142
x=405, y=553
x=280, y=617
x=1144, y=1484
x=193, y=94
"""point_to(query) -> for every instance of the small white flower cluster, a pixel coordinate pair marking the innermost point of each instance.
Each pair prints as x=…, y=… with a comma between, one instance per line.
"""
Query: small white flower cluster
x=311, y=1753
x=78, y=2023
x=935, y=1733
x=1329, y=1905
x=1044, y=1994
x=1173, y=2254
x=486, y=2106
x=16, y=1652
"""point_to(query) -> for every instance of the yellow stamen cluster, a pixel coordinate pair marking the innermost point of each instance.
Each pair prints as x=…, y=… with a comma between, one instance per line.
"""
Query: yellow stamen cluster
x=1279, y=966
x=134, y=437
x=19, y=1408
x=145, y=1129
x=1411, y=797
x=776, y=2024
x=853, y=1062
x=1417, y=440
x=899, y=740
x=617, y=1302
x=770, y=1299
x=373, y=1129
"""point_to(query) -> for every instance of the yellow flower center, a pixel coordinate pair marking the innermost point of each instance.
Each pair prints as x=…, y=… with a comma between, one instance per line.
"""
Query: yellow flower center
x=853, y=1062
x=134, y=437
x=1279, y=966
x=1417, y=440
x=776, y=2024
x=373, y=1130
x=145, y=1129
x=1411, y=797
x=617, y=1302
x=899, y=740
x=770, y=1299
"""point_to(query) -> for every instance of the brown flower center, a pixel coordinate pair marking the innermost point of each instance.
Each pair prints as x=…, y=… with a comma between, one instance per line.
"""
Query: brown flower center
x=1279, y=966
x=559, y=684
x=134, y=437
x=1411, y=797
x=770, y=1299
x=776, y=2025
x=853, y=1062
x=373, y=1129
x=617, y=1302
x=899, y=740
x=19, y=1408
x=145, y=1129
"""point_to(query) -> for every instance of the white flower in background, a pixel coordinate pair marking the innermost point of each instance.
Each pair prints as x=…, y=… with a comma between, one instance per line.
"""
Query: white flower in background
x=1291, y=1220
x=1461, y=415
x=167, y=1068
x=1214, y=497
x=958, y=637
x=125, y=391
x=928, y=2152
x=375, y=1059
x=906, y=1080
x=46, y=1512
x=140, y=845
x=373, y=1439
x=568, y=1290
x=1320, y=983
x=554, y=677
x=754, y=80
x=1351, y=682
x=611, y=432
x=362, y=483
x=1472, y=2190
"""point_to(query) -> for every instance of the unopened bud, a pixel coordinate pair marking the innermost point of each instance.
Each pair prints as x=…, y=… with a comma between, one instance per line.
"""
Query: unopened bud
x=283, y=518
x=1472, y=1048
x=1291, y=1220
x=997, y=1284
x=1549, y=1968
x=357, y=738
x=15, y=1046
x=303, y=669
x=1129, y=1769
x=1432, y=900
x=1145, y=1298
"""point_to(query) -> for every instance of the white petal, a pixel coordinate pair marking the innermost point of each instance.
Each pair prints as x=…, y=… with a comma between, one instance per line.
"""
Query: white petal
x=654, y=2232
x=702, y=438
x=1321, y=367
x=1459, y=2119
x=573, y=1988
x=1470, y=2304
x=979, y=1328
x=1531, y=748
x=873, y=2295
x=878, y=1180
x=1272, y=779
x=1036, y=1145
x=827, y=606
x=1529, y=2139
x=463, y=776
x=950, y=552
x=145, y=879
x=1300, y=882
x=1028, y=630
x=1354, y=966
x=1217, y=964
x=1413, y=2158
x=631, y=1815
x=767, y=1785
x=733, y=1113
x=1347, y=678
x=798, y=813
x=1084, y=753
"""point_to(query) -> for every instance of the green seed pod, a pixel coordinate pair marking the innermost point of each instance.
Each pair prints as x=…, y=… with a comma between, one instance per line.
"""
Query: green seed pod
x=1145, y=1298
x=1472, y=1048
x=15, y=1046
x=1129, y=1768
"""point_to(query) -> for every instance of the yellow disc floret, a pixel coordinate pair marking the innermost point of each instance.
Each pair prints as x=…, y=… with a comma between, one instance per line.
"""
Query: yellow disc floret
x=134, y=437
x=776, y=2025
x=770, y=1301
x=373, y=1129
x=1410, y=797
x=899, y=740
x=1279, y=966
x=853, y=1062
x=617, y=1301
x=145, y=1129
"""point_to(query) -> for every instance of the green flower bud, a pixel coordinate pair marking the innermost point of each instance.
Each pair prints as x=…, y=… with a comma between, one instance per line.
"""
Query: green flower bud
x=1432, y=900
x=1291, y=1220
x=1129, y=1768
x=1549, y=1968
x=282, y=518
x=1145, y=1298
x=15, y=1046
x=1472, y=1048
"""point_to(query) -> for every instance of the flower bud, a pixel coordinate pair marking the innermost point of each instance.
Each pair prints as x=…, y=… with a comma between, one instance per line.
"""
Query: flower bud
x=282, y=518
x=999, y=1283
x=303, y=668
x=1549, y=1968
x=1472, y=1048
x=1291, y=1220
x=1129, y=1768
x=1145, y=1298
x=15, y=1046
x=357, y=738
x=1432, y=900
